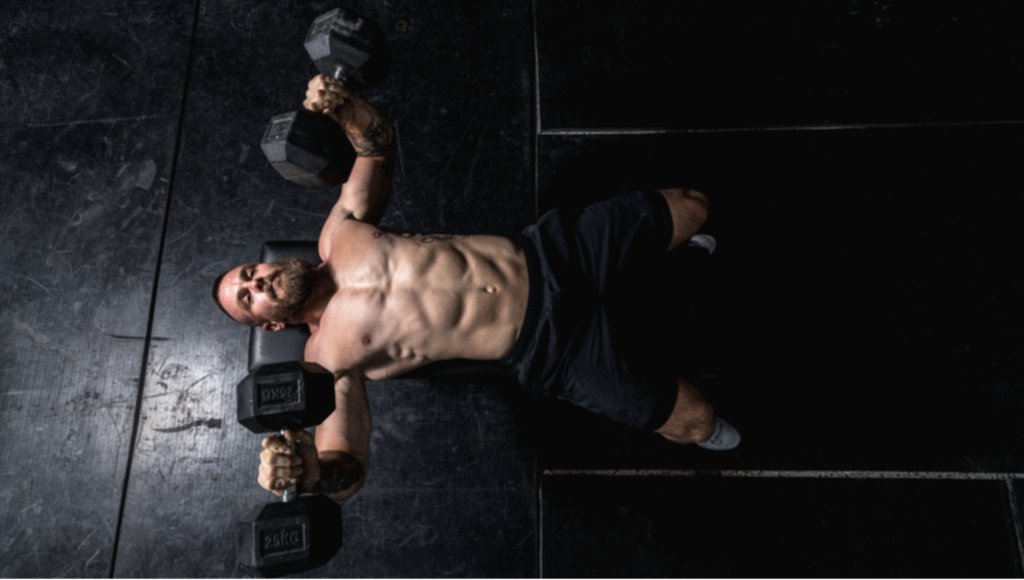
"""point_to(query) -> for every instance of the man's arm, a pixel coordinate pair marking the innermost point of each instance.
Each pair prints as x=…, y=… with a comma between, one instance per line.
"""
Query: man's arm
x=343, y=440
x=337, y=462
x=365, y=193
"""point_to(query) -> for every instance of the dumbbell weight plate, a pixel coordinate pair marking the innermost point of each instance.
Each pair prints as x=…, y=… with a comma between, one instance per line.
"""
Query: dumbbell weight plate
x=288, y=395
x=308, y=148
x=279, y=538
x=346, y=46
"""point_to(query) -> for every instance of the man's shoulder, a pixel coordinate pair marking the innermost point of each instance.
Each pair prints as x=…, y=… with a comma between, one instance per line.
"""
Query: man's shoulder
x=337, y=229
x=312, y=351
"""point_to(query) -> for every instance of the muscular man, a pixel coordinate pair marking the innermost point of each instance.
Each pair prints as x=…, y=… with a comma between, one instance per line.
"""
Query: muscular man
x=383, y=302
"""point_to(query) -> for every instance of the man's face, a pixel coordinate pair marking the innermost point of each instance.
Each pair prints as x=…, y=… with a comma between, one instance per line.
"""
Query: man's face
x=268, y=295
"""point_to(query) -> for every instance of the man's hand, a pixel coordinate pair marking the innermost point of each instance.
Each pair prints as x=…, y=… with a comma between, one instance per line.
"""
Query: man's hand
x=370, y=133
x=280, y=468
x=329, y=96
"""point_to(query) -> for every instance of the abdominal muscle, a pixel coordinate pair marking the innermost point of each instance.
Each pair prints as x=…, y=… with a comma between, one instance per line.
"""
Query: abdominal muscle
x=433, y=297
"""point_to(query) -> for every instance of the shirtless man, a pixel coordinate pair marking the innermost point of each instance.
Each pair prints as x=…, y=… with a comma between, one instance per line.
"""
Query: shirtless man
x=383, y=302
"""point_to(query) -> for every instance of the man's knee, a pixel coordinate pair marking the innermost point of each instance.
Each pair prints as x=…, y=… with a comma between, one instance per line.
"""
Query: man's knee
x=689, y=209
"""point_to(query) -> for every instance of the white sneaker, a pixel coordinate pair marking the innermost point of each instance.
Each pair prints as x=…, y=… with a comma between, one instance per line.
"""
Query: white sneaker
x=724, y=438
x=703, y=241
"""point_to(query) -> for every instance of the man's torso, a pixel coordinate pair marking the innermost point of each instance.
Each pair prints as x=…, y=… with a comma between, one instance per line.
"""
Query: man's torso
x=405, y=300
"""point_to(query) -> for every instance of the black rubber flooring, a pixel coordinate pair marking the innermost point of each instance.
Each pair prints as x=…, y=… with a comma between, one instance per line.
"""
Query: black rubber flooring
x=860, y=321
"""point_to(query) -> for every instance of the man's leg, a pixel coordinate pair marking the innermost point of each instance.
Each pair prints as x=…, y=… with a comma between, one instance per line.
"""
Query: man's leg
x=689, y=210
x=692, y=419
x=604, y=378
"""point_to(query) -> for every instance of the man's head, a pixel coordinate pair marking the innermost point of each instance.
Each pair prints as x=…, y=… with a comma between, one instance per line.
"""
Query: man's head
x=268, y=295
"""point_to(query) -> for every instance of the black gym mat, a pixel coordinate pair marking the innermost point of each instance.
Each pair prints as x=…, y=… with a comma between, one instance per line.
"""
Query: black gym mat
x=88, y=117
x=706, y=65
x=708, y=527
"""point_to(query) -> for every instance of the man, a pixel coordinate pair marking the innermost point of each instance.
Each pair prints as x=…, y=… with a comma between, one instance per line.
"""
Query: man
x=384, y=302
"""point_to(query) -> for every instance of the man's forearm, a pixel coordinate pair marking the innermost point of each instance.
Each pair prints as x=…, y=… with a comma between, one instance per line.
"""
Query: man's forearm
x=341, y=475
x=366, y=192
x=370, y=132
x=369, y=184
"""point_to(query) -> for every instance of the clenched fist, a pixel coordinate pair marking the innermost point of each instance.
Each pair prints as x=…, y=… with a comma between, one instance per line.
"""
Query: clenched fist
x=329, y=96
x=280, y=467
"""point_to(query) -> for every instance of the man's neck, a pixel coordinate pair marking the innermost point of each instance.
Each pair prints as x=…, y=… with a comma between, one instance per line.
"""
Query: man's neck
x=323, y=289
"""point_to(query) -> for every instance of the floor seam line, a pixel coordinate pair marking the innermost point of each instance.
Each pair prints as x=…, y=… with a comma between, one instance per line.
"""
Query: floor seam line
x=1015, y=516
x=792, y=128
x=137, y=419
x=790, y=474
x=538, y=128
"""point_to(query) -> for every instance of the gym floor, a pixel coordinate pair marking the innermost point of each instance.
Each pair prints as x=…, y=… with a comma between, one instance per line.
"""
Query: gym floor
x=859, y=323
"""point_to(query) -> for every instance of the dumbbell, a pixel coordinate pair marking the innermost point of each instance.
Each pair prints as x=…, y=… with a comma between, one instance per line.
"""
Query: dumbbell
x=298, y=533
x=309, y=148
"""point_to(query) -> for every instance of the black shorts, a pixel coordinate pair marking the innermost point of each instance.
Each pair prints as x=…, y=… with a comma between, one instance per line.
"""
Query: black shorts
x=587, y=270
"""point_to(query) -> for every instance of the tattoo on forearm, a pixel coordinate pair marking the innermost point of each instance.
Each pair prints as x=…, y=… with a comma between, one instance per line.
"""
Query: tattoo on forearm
x=376, y=139
x=338, y=475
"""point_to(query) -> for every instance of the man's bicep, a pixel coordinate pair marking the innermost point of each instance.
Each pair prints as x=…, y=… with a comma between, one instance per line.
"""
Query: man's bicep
x=366, y=192
x=363, y=198
x=339, y=215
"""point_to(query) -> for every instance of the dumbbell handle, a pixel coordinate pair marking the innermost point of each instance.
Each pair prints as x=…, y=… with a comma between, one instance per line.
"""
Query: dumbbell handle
x=339, y=74
x=291, y=492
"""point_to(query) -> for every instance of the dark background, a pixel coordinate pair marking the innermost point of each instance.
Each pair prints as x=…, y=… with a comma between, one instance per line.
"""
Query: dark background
x=860, y=322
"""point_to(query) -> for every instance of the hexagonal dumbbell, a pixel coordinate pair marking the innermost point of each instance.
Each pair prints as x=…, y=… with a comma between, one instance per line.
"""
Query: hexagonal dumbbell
x=309, y=148
x=300, y=532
